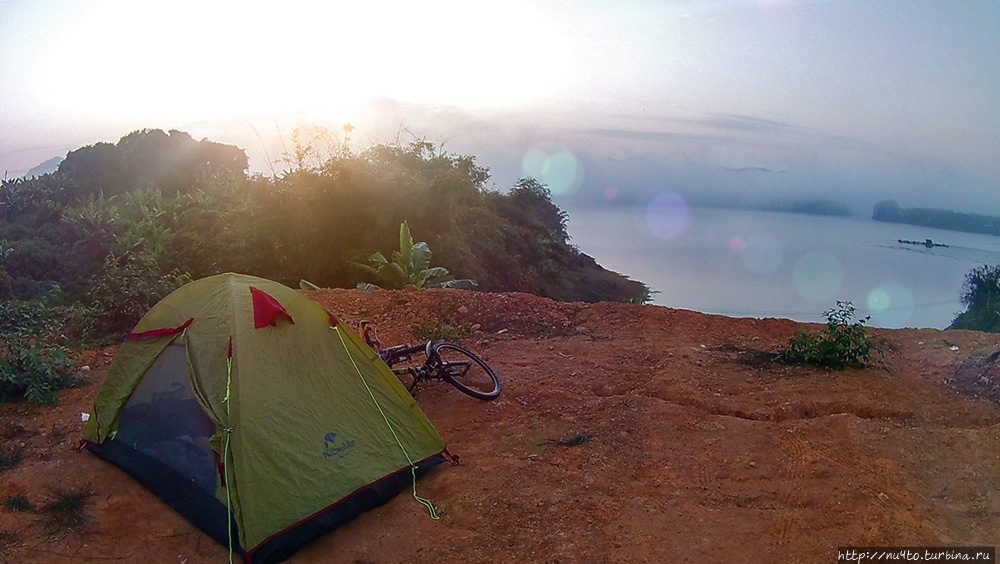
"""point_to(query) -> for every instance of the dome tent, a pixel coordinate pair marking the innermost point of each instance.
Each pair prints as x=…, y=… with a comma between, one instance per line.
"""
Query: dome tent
x=249, y=409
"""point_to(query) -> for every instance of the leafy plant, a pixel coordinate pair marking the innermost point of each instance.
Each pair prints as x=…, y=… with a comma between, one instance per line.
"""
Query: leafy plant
x=981, y=297
x=844, y=343
x=645, y=298
x=411, y=265
x=439, y=329
x=130, y=284
x=31, y=366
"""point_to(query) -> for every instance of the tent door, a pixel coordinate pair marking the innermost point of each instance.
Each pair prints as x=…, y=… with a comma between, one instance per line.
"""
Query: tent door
x=163, y=420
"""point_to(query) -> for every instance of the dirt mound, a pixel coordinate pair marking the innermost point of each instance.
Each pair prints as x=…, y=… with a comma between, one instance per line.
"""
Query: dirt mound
x=979, y=375
x=625, y=433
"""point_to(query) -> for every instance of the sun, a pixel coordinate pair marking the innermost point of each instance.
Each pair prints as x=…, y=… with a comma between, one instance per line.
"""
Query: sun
x=201, y=60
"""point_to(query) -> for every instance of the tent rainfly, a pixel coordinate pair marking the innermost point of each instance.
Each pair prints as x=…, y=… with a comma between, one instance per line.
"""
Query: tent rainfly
x=248, y=408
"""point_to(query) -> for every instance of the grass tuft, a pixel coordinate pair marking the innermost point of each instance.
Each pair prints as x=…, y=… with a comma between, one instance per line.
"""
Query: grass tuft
x=576, y=439
x=18, y=502
x=10, y=458
x=68, y=510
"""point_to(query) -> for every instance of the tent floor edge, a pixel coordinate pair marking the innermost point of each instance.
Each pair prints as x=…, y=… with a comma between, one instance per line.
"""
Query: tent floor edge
x=179, y=492
x=282, y=545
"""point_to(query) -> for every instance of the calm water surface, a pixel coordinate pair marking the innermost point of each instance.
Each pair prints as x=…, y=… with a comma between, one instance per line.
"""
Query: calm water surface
x=764, y=264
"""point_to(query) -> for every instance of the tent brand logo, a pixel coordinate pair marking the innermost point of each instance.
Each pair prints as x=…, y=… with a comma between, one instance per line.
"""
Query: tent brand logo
x=333, y=449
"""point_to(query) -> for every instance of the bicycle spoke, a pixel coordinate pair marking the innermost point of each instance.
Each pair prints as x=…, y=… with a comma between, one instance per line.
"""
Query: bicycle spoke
x=467, y=371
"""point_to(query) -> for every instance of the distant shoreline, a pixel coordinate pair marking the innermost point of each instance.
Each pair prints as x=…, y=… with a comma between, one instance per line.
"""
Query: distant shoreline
x=889, y=211
x=827, y=208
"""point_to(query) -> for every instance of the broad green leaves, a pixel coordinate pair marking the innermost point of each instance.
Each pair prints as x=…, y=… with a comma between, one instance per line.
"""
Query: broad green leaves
x=410, y=266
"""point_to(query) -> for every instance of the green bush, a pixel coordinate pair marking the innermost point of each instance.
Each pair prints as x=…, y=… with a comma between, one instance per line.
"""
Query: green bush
x=981, y=297
x=130, y=284
x=440, y=329
x=845, y=342
x=31, y=366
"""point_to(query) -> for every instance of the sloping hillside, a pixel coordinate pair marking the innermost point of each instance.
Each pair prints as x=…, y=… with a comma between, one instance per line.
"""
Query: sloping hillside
x=624, y=433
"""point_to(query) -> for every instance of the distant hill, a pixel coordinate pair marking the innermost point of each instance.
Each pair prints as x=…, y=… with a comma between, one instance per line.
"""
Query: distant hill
x=890, y=211
x=806, y=206
x=47, y=167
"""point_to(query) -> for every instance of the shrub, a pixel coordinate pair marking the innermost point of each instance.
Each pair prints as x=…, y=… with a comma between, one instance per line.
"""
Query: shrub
x=844, y=343
x=439, y=329
x=130, y=284
x=30, y=365
x=981, y=297
x=411, y=265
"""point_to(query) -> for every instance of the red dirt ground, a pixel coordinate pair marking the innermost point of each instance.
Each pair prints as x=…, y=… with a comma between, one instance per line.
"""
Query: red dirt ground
x=699, y=450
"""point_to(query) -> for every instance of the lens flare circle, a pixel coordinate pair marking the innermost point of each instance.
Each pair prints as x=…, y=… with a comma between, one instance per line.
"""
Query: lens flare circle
x=762, y=253
x=668, y=216
x=891, y=304
x=818, y=276
x=560, y=170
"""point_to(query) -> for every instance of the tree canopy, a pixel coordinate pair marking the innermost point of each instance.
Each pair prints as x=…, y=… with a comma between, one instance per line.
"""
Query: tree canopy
x=117, y=226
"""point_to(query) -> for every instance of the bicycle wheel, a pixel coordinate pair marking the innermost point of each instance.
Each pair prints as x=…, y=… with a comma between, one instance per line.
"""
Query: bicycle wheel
x=466, y=371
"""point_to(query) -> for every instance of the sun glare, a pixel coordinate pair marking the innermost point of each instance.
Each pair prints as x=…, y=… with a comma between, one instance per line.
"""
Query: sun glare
x=201, y=60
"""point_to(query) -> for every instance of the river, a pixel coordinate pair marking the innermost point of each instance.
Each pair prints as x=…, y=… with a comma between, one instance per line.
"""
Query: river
x=770, y=264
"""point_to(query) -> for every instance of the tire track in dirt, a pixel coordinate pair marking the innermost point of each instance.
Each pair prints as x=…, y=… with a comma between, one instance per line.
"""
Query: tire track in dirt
x=789, y=495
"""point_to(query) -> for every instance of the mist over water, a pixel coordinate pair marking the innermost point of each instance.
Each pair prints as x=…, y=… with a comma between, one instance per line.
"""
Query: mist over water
x=768, y=264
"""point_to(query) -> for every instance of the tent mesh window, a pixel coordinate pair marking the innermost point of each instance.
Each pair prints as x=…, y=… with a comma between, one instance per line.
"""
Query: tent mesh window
x=163, y=420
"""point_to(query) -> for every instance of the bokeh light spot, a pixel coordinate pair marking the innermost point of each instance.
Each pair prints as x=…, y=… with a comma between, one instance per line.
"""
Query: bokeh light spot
x=560, y=170
x=668, y=216
x=534, y=163
x=891, y=305
x=878, y=300
x=818, y=276
x=737, y=244
x=762, y=253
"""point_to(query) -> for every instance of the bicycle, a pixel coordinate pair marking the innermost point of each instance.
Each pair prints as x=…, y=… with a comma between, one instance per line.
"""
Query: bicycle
x=446, y=361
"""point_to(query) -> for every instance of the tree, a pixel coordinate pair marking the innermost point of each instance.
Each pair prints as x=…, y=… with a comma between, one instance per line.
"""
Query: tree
x=533, y=201
x=887, y=210
x=981, y=296
x=150, y=158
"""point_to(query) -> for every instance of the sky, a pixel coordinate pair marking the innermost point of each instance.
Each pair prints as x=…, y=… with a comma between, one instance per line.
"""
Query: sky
x=606, y=102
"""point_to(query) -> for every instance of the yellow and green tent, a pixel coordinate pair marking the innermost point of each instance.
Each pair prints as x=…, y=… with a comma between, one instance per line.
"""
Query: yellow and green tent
x=253, y=412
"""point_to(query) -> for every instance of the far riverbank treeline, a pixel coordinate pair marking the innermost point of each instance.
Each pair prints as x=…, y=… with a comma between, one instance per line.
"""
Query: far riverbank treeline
x=118, y=226
x=891, y=212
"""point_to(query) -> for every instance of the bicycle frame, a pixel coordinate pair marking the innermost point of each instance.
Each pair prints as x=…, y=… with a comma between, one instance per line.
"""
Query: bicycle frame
x=441, y=367
x=432, y=368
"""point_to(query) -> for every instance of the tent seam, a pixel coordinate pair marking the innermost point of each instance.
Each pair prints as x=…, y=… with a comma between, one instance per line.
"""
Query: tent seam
x=413, y=466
